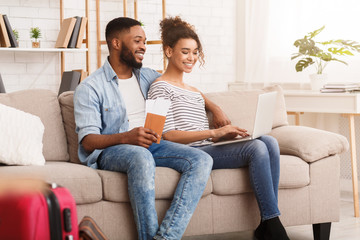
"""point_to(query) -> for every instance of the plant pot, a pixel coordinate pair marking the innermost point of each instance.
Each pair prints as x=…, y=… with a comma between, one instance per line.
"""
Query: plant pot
x=317, y=81
x=35, y=44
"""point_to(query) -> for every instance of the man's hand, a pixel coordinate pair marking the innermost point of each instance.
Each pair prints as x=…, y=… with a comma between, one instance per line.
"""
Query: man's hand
x=138, y=136
x=141, y=136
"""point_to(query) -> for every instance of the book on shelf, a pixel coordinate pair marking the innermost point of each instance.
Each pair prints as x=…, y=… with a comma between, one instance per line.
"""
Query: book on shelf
x=342, y=85
x=66, y=30
x=81, y=32
x=337, y=90
x=83, y=74
x=10, y=32
x=75, y=33
x=2, y=87
x=69, y=81
x=4, y=37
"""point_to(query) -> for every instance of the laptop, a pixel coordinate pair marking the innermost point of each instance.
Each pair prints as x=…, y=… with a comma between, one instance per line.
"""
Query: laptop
x=264, y=116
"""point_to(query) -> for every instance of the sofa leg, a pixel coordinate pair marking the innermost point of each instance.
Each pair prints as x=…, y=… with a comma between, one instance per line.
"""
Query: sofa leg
x=321, y=231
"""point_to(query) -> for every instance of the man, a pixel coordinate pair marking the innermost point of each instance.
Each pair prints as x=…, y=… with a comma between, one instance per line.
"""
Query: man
x=110, y=112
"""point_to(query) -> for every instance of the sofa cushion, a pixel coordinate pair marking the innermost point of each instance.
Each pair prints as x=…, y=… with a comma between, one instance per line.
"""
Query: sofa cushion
x=66, y=100
x=21, y=137
x=44, y=104
x=83, y=182
x=240, y=106
x=294, y=173
x=166, y=180
x=308, y=143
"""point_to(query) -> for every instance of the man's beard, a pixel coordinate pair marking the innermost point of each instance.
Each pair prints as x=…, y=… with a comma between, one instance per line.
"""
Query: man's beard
x=128, y=57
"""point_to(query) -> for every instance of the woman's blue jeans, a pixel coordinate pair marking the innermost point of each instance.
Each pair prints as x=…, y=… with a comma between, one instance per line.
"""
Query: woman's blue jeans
x=262, y=155
x=139, y=164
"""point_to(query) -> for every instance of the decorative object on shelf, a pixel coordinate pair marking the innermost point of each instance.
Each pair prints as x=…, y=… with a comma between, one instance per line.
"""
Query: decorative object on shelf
x=83, y=73
x=10, y=35
x=2, y=87
x=71, y=32
x=4, y=37
x=317, y=81
x=35, y=34
x=337, y=87
x=320, y=54
x=66, y=29
x=69, y=81
x=81, y=33
x=74, y=35
x=16, y=34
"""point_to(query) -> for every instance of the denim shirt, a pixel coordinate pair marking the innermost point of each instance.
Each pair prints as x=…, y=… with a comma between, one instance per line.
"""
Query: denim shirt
x=99, y=107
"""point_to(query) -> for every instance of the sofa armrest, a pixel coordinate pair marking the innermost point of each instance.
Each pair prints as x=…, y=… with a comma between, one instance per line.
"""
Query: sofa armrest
x=310, y=144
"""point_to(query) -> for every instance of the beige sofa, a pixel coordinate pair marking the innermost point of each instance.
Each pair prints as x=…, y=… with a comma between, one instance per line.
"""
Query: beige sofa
x=309, y=181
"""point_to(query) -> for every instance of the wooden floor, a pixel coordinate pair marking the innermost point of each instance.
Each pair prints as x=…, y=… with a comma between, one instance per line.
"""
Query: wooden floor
x=347, y=229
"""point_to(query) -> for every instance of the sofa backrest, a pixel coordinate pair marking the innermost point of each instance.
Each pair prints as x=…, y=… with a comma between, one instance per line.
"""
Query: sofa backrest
x=240, y=106
x=45, y=105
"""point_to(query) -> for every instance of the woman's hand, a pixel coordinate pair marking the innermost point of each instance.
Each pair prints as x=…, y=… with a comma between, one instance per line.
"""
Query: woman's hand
x=228, y=132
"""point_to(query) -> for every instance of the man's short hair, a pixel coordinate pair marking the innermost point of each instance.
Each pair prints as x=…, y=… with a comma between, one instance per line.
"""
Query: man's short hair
x=117, y=25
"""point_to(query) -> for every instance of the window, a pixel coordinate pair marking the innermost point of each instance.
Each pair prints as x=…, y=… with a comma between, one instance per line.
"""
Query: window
x=272, y=28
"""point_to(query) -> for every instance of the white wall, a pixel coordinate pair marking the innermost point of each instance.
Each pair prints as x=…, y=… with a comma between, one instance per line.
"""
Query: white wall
x=214, y=20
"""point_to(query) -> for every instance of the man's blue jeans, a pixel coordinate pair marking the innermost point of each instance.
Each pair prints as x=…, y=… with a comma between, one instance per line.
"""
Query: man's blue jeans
x=139, y=164
x=262, y=155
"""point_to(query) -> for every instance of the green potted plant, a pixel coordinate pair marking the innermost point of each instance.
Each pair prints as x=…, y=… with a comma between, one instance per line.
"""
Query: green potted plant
x=35, y=34
x=320, y=54
x=16, y=34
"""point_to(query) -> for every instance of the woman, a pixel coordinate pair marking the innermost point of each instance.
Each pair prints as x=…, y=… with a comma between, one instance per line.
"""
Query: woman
x=187, y=123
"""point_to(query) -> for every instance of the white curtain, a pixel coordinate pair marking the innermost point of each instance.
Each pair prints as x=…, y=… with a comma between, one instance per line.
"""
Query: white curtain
x=256, y=40
x=272, y=26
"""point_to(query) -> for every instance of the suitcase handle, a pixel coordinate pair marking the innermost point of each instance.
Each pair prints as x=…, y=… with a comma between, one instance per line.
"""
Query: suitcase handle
x=54, y=216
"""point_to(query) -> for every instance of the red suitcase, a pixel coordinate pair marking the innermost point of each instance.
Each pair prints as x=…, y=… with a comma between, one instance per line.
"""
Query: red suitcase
x=35, y=216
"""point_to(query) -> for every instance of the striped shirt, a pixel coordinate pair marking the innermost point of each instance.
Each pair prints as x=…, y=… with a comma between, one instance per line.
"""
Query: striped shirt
x=187, y=110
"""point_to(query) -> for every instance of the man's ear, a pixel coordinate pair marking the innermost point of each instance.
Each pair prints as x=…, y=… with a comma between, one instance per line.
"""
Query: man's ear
x=168, y=51
x=116, y=43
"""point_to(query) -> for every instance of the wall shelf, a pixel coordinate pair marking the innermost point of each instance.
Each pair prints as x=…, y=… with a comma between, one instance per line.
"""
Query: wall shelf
x=43, y=49
x=62, y=51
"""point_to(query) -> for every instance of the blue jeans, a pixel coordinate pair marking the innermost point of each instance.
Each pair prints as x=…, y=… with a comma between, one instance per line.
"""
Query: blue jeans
x=139, y=164
x=262, y=155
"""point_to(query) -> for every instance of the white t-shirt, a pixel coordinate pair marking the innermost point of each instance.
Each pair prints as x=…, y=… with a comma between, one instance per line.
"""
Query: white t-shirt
x=134, y=101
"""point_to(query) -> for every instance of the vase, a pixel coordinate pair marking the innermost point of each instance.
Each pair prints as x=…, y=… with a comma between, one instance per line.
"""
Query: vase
x=35, y=44
x=317, y=81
